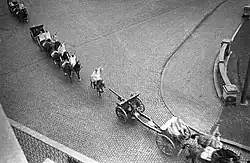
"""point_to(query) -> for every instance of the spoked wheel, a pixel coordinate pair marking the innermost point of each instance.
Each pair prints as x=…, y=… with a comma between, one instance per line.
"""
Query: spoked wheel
x=165, y=144
x=141, y=108
x=121, y=114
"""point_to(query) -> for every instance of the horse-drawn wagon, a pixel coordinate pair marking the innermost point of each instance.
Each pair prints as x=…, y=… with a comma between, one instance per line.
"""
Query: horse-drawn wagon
x=35, y=31
x=42, y=36
x=167, y=140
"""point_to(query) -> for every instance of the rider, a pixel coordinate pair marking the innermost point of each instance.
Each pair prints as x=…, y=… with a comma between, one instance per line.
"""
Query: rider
x=42, y=37
x=72, y=60
x=61, y=49
x=215, y=141
x=47, y=36
x=96, y=76
x=20, y=7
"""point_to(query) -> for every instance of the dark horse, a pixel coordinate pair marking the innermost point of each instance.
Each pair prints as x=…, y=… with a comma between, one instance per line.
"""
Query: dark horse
x=99, y=85
x=50, y=46
x=57, y=58
x=22, y=15
x=68, y=69
x=65, y=56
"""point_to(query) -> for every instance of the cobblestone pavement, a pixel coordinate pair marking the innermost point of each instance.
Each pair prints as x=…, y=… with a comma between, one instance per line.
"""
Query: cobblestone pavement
x=131, y=40
x=187, y=85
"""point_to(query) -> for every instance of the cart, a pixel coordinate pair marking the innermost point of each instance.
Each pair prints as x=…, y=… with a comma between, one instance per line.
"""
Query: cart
x=35, y=31
x=133, y=108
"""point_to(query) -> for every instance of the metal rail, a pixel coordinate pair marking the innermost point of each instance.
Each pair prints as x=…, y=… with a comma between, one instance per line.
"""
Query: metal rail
x=148, y=122
x=120, y=98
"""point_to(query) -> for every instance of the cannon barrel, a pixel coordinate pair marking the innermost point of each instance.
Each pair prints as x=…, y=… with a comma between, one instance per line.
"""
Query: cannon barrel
x=120, y=98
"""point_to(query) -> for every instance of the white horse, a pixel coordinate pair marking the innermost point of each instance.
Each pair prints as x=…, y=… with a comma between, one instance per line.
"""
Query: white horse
x=95, y=76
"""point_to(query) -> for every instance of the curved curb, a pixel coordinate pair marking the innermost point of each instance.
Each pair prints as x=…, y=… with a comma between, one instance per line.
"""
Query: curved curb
x=165, y=66
x=215, y=70
x=215, y=78
x=178, y=47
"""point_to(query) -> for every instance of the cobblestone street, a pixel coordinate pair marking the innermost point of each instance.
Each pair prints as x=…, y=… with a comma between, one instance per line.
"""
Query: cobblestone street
x=131, y=40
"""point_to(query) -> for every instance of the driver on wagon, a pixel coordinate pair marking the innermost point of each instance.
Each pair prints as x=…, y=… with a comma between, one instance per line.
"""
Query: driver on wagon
x=42, y=36
x=47, y=35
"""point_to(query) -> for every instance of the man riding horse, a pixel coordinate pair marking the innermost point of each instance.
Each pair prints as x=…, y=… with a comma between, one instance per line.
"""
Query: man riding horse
x=70, y=65
x=96, y=78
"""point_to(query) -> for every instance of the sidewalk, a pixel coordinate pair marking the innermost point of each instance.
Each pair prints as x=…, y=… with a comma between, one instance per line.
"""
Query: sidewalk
x=10, y=149
x=235, y=121
x=187, y=84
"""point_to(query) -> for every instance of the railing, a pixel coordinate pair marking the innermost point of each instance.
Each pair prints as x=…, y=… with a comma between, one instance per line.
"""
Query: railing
x=37, y=148
x=230, y=91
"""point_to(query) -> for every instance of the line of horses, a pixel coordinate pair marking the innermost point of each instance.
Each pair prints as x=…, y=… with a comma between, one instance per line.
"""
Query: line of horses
x=61, y=57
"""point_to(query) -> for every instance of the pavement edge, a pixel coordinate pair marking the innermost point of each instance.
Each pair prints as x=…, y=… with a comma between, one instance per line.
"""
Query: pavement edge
x=215, y=79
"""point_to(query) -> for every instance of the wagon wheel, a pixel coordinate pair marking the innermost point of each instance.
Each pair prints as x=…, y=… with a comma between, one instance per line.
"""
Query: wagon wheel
x=165, y=144
x=121, y=114
x=141, y=108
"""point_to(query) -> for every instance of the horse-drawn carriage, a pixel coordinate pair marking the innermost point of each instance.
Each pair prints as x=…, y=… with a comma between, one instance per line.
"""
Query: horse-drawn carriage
x=167, y=140
x=35, y=30
x=18, y=10
x=39, y=35
x=174, y=137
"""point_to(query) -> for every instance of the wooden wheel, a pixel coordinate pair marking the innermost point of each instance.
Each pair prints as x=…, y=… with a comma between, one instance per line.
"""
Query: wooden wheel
x=165, y=144
x=141, y=107
x=121, y=114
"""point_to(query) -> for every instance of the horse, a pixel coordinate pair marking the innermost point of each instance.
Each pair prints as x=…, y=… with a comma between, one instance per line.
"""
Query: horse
x=22, y=15
x=77, y=69
x=65, y=56
x=99, y=87
x=95, y=76
x=49, y=46
x=67, y=69
x=57, y=58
